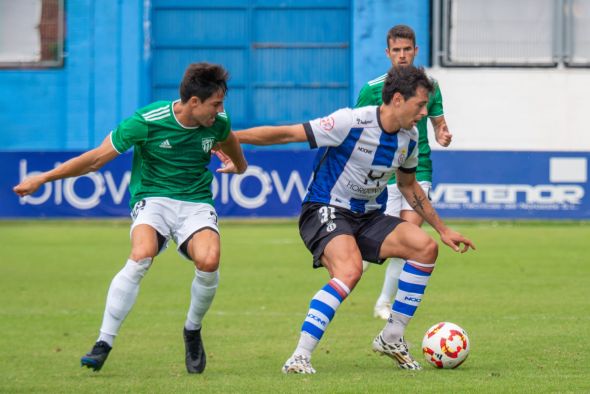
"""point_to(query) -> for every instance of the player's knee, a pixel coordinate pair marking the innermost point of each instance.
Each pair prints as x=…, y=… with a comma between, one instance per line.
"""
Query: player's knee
x=351, y=276
x=207, y=261
x=429, y=251
x=140, y=253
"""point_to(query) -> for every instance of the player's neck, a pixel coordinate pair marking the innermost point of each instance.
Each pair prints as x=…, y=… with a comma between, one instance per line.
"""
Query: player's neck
x=388, y=120
x=183, y=116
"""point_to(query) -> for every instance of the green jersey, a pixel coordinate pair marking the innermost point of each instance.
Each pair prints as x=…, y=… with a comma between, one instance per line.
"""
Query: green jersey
x=169, y=159
x=371, y=95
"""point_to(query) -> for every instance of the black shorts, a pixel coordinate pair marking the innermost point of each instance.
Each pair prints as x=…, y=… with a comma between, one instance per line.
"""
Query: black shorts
x=319, y=223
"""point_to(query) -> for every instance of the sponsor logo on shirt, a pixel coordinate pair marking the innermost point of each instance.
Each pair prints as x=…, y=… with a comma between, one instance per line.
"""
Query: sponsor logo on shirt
x=373, y=175
x=327, y=123
x=365, y=150
x=165, y=145
x=363, y=189
x=363, y=122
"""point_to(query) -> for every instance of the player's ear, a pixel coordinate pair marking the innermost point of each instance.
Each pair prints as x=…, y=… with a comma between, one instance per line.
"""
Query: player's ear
x=195, y=101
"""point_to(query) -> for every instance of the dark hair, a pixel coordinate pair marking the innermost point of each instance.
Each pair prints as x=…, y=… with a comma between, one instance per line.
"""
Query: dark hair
x=404, y=80
x=401, y=31
x=203, y=80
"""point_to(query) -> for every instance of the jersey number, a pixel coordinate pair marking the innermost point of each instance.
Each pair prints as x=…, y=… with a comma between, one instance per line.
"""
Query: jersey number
x=136, y=208
x=374, y=176
x=326, y=213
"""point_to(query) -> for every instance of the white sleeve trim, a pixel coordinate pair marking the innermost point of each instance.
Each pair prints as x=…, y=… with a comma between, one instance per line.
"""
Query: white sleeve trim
x=111, y=140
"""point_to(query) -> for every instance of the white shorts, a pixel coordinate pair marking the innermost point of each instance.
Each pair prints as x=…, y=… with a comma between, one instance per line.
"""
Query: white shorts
x=397, y=203
x=174, y=219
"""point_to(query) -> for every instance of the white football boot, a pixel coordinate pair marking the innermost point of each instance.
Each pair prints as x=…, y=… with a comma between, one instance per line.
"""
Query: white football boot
x=397, y=351
x=298, y=363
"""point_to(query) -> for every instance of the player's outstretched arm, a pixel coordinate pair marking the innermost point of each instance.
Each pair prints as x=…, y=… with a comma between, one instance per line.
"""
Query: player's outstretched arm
x=441, y=131
x=231, y=155
x=415, y=196
x=79, y=165
x=271, y=135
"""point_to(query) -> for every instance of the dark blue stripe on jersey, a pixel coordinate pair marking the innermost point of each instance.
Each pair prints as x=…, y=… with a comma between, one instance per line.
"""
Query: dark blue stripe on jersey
x=312, y=330
x=382, y=200
x=318, y=160
x=357, y=205
x=415, y=271
x=388, y=144
x=332, y=167
x=411, y=287
x=322, y=307
x=411, y=147
x=310, y=137
x=404, y=309
x=329, y=289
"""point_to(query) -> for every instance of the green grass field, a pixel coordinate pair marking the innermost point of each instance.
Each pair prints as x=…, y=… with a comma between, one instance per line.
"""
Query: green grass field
x=523, y=297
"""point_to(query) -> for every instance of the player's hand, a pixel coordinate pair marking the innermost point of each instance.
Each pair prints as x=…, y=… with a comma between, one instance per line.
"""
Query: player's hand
x=29, y=185
x=443, y=136
x=454, y=240
x=227, y=165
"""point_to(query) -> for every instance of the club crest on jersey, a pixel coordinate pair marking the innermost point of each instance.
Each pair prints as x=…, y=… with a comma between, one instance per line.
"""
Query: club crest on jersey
x=402, y=157
x=207, y=144
x=327, y=123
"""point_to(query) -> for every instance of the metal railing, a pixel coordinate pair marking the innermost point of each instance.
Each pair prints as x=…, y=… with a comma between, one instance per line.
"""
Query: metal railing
x=511, y=33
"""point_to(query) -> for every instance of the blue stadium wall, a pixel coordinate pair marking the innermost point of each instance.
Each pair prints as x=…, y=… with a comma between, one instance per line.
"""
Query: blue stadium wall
x=314, y=59
x=123, y=54
x=103, y=80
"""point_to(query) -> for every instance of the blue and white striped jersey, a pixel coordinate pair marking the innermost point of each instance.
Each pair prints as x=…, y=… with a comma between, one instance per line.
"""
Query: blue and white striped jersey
x=359, y=158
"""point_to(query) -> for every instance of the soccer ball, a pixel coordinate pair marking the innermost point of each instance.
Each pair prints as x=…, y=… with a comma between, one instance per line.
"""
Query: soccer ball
x=445, y=345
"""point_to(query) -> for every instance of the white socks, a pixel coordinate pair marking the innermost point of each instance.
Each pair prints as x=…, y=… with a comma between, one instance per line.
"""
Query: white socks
x=121, y=297
x=125, y=287
x=202, y=293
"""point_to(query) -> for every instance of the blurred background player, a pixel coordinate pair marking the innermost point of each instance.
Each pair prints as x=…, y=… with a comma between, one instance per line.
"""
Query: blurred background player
x=401, y=51
x=170, y=195
x=342, y=221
